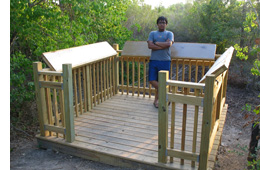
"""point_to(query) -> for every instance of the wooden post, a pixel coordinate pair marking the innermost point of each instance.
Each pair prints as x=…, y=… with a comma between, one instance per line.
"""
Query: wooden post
x=162, y=117
x=116, y=61
x=68, y=102
x=206, y=121
x=40, y=98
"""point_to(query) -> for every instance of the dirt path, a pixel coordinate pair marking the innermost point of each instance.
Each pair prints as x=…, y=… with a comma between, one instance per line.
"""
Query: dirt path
x=232, y=153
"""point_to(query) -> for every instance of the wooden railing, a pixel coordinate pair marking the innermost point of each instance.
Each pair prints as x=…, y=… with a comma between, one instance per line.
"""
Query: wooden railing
x=55, y=101
x=71, y=92
x=136, y=71
x=210, y=96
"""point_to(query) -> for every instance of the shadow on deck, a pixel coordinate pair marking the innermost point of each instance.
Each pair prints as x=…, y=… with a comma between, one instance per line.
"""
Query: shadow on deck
x=123, y=131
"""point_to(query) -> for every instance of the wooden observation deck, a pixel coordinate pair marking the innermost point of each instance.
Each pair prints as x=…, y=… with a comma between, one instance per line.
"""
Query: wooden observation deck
x=99, y=107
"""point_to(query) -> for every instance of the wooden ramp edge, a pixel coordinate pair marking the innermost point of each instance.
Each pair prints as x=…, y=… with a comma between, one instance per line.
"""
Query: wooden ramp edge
x=60, y=145
x=217, y=141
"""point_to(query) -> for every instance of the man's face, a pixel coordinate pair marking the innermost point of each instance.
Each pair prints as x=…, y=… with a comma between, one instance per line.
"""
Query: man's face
x=162, y=25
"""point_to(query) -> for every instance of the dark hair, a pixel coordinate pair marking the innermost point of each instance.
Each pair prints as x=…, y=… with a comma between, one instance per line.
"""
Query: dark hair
x=163, y=19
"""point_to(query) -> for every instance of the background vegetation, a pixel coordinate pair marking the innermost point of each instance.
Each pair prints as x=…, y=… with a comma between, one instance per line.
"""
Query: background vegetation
x=38, y=26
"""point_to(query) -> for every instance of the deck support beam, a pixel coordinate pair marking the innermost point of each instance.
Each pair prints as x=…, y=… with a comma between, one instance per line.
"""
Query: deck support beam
x=68, y=102
x=163, y=117
x=40, y=98
x=206, y=122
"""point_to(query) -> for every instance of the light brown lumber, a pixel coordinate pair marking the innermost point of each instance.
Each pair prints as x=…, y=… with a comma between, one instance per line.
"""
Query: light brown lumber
x=139, y=67
x=55, y=108
x=186, y=99
x=48, y=103
x=106, y=155
x=80, y=90
x=49, y=73
x=75, y=91
x=184, y=119
x=172, y=124
x=40, y=98
x=105, y=80
x=101, y=81
x=56, y=129
x=84, y=88
x=206, y=122
x=195, y=128
x=68, y=102
x=61, y=96
x=49, y=84
x=122, y=74
x=182, y=154
x=144, y=78
x=110, y=76
x=162, y=117
x=186, y=84
x=98, y=94
x=94, y=84
x=133, y=77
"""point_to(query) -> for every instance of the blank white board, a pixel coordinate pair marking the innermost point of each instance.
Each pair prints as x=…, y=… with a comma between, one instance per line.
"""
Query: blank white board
x=178, y=50
x=78, y=56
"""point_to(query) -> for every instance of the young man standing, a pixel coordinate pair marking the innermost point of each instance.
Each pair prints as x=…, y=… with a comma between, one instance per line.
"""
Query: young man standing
x=159, y=42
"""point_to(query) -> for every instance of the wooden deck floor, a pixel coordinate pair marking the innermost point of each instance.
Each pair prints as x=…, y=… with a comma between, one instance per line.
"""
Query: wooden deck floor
x=123, y=131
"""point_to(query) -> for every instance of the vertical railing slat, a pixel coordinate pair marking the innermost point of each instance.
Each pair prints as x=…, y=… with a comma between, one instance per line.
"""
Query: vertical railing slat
x=80, y=91
x=75, y=92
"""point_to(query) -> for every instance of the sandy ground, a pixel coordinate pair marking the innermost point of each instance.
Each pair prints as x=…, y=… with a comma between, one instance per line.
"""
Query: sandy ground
x=25, y=153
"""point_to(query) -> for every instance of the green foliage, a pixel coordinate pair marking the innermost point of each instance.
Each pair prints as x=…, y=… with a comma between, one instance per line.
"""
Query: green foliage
x=41, y=26
x=241, y=52
x=21, y=86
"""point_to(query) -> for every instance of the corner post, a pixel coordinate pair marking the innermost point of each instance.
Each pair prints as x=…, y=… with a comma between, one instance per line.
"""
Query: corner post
x=162, y=117
x=40, y=98
x=116, y=64
x=206, y=121
x=68, y=102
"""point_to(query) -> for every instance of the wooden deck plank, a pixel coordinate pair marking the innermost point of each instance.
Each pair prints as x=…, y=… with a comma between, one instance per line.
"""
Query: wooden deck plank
x=114, y=133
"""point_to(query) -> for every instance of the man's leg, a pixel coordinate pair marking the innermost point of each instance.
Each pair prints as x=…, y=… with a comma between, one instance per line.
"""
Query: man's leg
x=154, y=83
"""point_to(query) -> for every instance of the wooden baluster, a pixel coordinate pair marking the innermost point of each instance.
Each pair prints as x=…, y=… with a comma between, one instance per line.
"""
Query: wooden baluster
x=101, y=81
x=184, y=118
x=105, y=87
x=98, y=92
x=127, y=75
x=183, y=73
x=48, y=104
x=196, y=72
x=94, y=84
x=139, y=75
x=107, y=78
x=80, y=91
x=84, y=88
x=177, y=70
x=110, y=75
x=55, y=108
x=133, y=76
x=144, y=60
x=172, y=123
x=195, y=128
x=122, y=75
x=90, y=86
x=75, y=92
